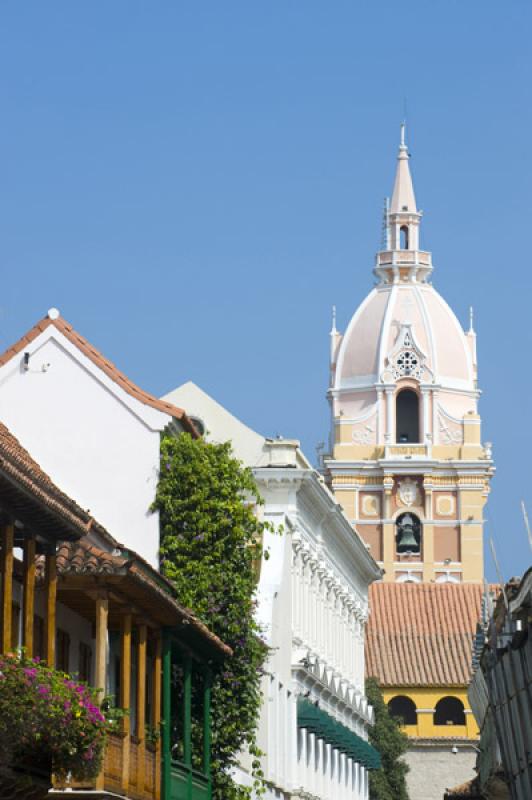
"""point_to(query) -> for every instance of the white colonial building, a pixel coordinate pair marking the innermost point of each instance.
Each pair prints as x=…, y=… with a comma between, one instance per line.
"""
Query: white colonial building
x=92, y=429
x=313, y=606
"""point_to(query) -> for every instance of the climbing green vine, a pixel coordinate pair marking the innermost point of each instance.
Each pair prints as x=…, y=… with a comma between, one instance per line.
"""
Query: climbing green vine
x=388, y=782
x=211, y=541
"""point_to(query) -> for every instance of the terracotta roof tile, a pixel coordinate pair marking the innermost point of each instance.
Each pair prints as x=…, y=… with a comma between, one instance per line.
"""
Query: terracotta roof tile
x=102, y=362
x=84, y=558
x=469, y=789
x=23, y=471
x=422, y=634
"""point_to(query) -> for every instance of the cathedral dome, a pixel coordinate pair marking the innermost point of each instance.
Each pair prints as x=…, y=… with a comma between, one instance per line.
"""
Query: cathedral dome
x=372, y=349
x=404, y=347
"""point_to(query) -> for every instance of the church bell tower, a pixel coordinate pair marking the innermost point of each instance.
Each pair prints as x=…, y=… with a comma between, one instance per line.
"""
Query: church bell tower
x=406, y=459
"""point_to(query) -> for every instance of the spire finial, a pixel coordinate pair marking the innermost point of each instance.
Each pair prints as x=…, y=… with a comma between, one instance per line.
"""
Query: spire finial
x=403, y=198
x=333, y=328
x=471, y=328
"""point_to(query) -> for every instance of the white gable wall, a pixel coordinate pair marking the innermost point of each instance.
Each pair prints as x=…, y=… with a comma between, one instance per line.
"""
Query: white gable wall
x=220, y=424
x=97, y=442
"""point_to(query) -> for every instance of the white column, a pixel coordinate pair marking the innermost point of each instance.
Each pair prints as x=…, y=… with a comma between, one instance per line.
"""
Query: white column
x=282, y=730
x=336, y=629
x=320, y=644
x=356, y=643
x=313, y=605
x=342, y=794
x=304, y=598
x=348, y=640
x=328, y=627
x=435, y=428
x=425, y=402
x=308, y=600
x=312, y=759
x=293, y=730
x=353, y=641
x=319, y=767
x=327, y=752
x=272, y=732
x=390, y=438
x=295, y=598
x=380, y=418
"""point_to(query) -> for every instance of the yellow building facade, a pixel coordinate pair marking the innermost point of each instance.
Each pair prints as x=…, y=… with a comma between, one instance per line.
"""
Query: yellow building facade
x=407, y=463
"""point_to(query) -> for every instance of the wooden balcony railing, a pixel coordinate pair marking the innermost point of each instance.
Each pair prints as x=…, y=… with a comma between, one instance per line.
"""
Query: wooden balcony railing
x=142, y=781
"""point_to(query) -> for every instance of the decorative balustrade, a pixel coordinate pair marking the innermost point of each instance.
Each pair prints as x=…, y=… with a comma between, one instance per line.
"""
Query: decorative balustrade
x=400, y=257
x=407, y=451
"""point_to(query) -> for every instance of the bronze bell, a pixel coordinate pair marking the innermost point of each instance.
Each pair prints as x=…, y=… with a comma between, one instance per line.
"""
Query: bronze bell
x=407, y=541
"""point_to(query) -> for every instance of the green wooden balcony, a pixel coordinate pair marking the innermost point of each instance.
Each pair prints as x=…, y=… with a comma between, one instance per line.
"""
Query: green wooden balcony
x=186, y=741
x=187, y=783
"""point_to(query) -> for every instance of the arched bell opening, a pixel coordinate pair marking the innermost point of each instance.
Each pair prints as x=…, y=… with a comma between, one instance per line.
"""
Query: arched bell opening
x=407, y=427
x=404, y=235
x=408, y=534
x=449, y=711
x=404, y=709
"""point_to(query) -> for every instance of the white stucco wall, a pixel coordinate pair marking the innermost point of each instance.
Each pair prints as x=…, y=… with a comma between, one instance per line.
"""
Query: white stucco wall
x=434, y=768
x=97, y=442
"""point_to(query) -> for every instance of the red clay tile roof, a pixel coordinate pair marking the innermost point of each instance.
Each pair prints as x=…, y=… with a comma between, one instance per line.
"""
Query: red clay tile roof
x=469, y=789
x=20, y=471
x=103, y=363
x=84, y=558
x=422, y=634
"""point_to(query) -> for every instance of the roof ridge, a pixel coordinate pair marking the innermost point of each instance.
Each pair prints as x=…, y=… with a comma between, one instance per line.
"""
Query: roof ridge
x=102, y=362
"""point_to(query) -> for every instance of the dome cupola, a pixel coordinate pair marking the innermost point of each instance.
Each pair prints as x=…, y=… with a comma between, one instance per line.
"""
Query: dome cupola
x=402, y=259
x=403, y=336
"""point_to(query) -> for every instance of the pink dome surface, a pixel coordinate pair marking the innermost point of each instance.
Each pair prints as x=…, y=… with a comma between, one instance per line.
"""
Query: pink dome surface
x=372, y=335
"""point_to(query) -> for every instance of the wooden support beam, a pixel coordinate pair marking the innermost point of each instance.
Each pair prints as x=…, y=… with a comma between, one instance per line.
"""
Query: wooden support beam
x=141, y=706
x=51, y=607
x=156, y=709
x=125, y=695
x=29, y=594
x=102, y=615
x=7, y=533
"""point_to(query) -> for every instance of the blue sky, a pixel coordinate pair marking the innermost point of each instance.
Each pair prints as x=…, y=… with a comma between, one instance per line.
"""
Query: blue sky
x=194, y=185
